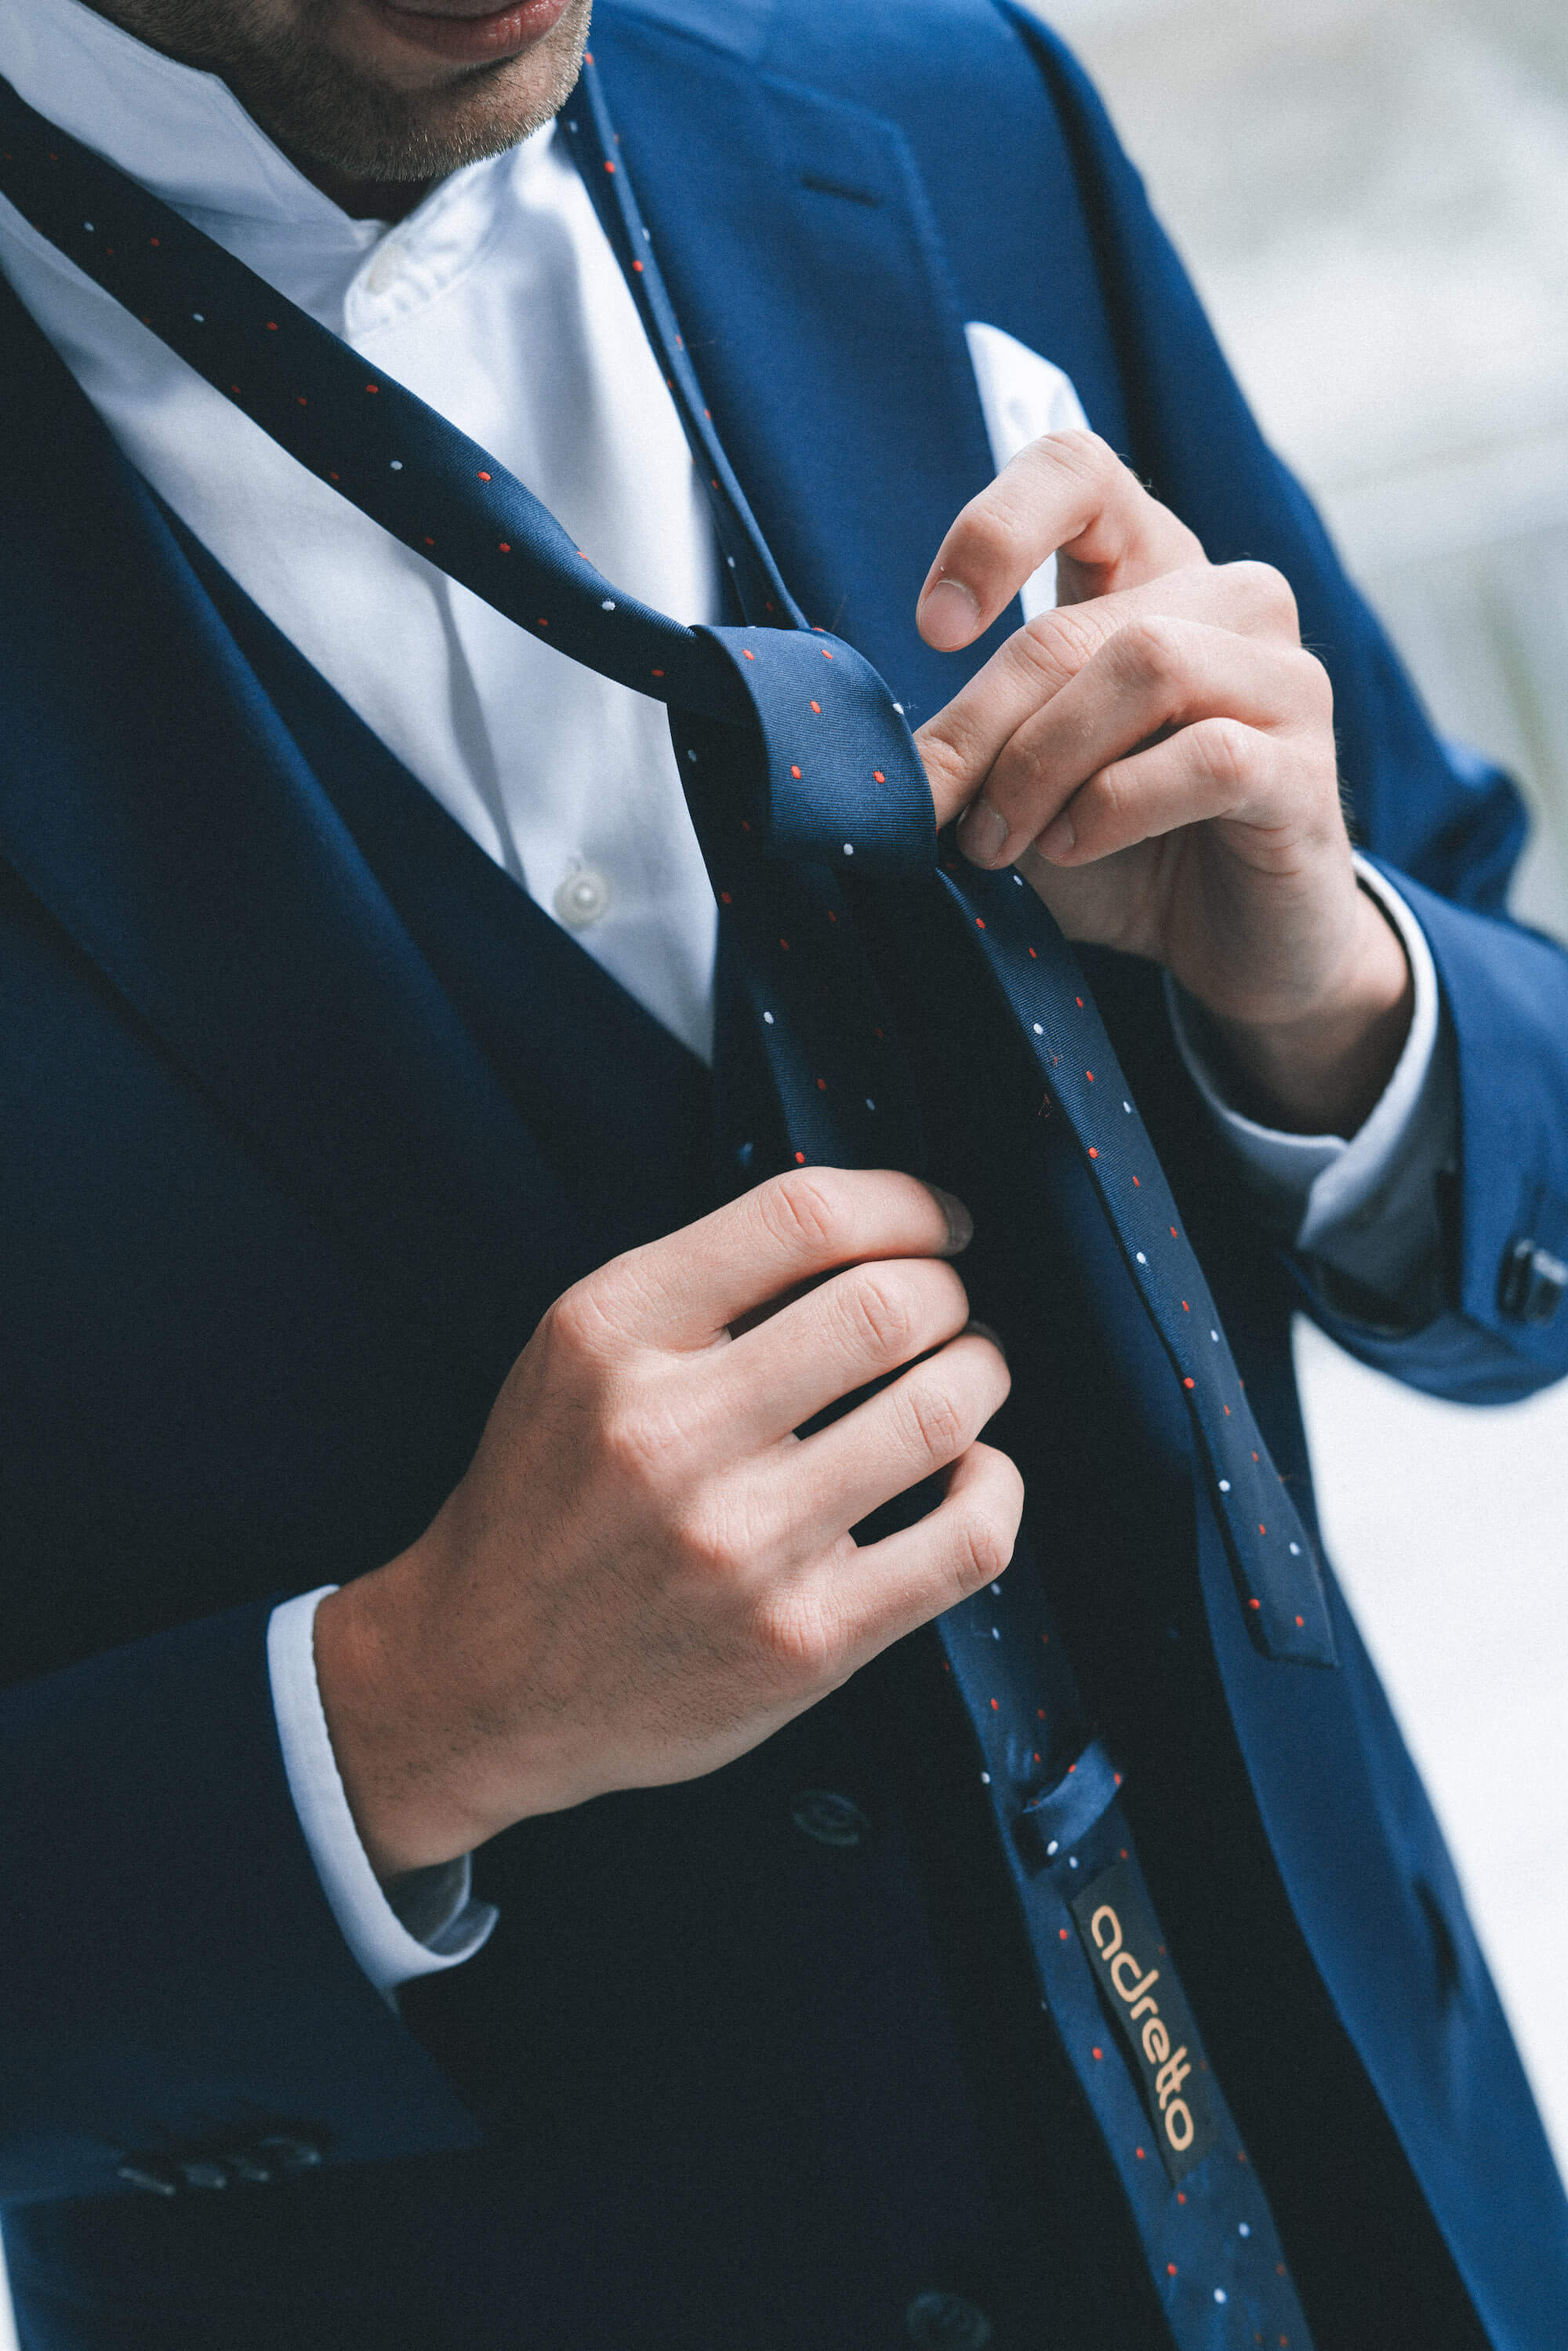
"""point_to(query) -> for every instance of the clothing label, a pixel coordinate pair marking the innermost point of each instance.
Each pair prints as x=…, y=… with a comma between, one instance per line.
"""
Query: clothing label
x=1133, y=1969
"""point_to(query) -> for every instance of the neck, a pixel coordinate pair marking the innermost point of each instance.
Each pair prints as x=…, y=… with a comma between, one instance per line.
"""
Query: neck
x=384, y=200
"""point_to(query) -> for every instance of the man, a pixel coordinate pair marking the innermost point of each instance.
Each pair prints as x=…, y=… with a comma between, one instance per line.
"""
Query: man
x=741, y=2025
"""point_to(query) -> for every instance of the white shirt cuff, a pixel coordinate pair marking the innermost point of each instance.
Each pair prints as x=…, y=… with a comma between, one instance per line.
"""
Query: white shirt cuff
x=1365, y=1204
x=421, y=1922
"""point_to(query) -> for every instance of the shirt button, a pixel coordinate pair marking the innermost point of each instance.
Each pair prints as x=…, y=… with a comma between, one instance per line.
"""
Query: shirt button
x=830, y=1818
x=945, y=2322
x=582, y=898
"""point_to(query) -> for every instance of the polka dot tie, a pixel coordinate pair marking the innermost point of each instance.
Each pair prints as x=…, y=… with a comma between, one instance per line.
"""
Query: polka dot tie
x=806, y=791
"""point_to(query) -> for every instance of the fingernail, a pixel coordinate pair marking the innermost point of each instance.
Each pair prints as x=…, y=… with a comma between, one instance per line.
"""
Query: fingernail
x=1057, y=839
x=949, y=615
x=984, y=1330
x=982, y=833
x=960, y=1223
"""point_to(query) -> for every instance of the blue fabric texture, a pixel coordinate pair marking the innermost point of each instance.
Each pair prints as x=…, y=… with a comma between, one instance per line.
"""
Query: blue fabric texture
x=318, y=1112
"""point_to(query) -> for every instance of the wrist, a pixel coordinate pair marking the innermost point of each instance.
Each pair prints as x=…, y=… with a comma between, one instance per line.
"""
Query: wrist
x=1322, y=1070
x=377, y=1683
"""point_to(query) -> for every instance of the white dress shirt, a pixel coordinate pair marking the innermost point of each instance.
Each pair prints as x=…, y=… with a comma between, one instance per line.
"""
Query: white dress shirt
x=499, y=302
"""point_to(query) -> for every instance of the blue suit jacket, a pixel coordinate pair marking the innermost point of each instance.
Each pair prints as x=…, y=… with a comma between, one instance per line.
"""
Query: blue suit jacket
x=278, y=1203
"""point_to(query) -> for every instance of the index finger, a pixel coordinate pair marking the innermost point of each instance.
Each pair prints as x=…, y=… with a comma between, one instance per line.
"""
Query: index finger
x=1068, y=494
x=685, y=1292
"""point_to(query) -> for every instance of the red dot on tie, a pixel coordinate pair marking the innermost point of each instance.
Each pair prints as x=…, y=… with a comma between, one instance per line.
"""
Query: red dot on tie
x=822, y=1089
x=724, y=898
x=1172, y=1232
x=638, y=267
x=272, y=326
x=825, y=651
x=1226, y=1408
x=302, y=400
x=1032, y=956
x=1061, y=1934
x=680, y=343
x=1189, y=1384
x=373, y=387
x=542, y=621
x=1254, y=1603
x=1181, y=2195
x=430, y=542
x=484, y=477
x=795, y=773
x=1262, y=1528
x=1079, y=1001
x=708, y=413
x=785, y=945
x=233, y=389
x=1089, y=1075
x=800, y=1159
x=1099, y=2052
x=1136, y=1185
x=978, y=923
x=816, y=705
x=1093, y=1152
x=1185, y=1307
x=995, y=1707
x=1300, y=1620
x=747, y=651
x=154, y=240
x=1170, y=2266
x=1139, y=2153
x=877, y=776
x=658, y=672
x=503, y=547
x=609, y=167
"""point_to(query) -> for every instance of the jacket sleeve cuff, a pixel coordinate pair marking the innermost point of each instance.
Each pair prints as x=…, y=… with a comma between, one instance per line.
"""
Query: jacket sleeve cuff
x=420, y=1923
x=1364, y=1206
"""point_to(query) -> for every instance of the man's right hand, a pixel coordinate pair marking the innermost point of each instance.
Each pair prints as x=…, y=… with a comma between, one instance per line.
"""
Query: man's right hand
x=645, y=1572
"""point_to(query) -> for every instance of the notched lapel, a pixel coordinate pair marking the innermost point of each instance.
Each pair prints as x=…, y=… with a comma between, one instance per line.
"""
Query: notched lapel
x=153, y=802
x=805, y=264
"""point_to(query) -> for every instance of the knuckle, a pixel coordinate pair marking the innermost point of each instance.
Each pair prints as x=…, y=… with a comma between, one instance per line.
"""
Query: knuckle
x=1156, y=647
x=1268, y=593
x=880, y=1310
x=1231, y=751
x=807, y=1211
x=936, y=1428
x=1063, y=640
x=993, y=531
x=802, y=1640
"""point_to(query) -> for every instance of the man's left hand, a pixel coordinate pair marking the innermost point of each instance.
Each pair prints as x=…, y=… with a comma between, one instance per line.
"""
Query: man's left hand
x=1156, y=757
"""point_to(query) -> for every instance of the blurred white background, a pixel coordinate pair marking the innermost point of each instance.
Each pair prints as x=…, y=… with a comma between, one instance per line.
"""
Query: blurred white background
x=1372, y=196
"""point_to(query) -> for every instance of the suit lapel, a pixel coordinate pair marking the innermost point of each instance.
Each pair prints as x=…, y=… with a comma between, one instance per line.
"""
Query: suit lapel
x=153, y=802
x=804, y=261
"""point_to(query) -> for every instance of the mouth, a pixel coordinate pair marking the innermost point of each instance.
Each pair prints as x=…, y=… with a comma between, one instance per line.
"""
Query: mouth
x=472, y=36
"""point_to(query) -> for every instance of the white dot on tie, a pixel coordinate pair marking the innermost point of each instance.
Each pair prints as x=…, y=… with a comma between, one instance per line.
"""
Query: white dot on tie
x=1215, y=1336
x=730, y=561
x=1128, y=1108
x=1295, y=1550
x=1052, y=1847
x=607, y=603
x=899, y=707
x=693, y=758
x=1220, y=2294
x=199, y=318
x=396, y=465
x=1225, y=1485
x=769, y=1017
x=1142, y=1259
x=1073, y=1861
x=88, y=225
x=869, y=1103
x=996, y=1632
x=849, y=849
x=985, y=1779
x=573, y=128
x=1037, y=1029
x=647, y=232
x=1244, y=2230
x=996, y=1591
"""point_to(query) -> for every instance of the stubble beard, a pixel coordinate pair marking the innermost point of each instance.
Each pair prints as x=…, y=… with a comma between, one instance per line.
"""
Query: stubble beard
x=323, y=110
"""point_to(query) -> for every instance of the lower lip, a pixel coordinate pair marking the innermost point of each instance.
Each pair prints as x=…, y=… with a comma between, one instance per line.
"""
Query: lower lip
x=474, y=40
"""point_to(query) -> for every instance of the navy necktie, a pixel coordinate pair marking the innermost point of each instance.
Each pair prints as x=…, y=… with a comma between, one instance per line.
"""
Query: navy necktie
x=806, y=791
